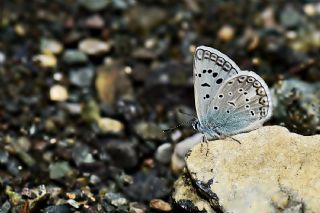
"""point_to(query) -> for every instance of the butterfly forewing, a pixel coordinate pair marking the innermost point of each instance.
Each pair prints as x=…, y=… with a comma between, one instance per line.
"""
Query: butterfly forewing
x=211, y=70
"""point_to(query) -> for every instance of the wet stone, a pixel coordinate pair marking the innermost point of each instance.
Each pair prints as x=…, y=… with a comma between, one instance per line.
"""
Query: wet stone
x=5, y=207
x=74, y=57
x=160, y=205
x=58, y=93
x=59, y=169
x=122, y=154
x=82, y=77
x=164, y=153
x=115, y=202
x=136, y=207
x=50, y=46
x=94, y=5
x=95, y=22
x=149, y=131
x=45, y=61
x=57, y=209
x=109, y=125
x=290, y=17
x=93, y=46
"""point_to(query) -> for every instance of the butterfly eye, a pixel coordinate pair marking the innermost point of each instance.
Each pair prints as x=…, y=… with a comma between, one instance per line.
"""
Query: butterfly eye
x=256, y=84
x=250, y=80
x=261, y=91
x=263, y=100
x=242, y=79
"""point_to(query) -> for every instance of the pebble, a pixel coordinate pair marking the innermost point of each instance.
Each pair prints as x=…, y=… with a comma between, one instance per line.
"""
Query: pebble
x=290, y=17
x=57, y=209
x=58, y=170
x=136, y=207
x=93, y=46
x=164, y=153
x=94, y=5
x=82, y=77
x=123, y=154
x=109, y=125
x=45, y=61
x=149, y=131
x=160, y=205
x=95, y=22
x=50, y=46
x=226, y=33
x=2, y=57
x=58, y=93
x=74, y=57
x=6, y=206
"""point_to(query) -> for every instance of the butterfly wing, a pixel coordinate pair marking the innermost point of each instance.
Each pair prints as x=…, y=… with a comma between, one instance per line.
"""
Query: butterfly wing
x=241, y=104
x=211, y=68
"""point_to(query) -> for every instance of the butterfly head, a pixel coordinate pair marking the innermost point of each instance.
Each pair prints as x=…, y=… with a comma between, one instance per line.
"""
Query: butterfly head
x=196, y=125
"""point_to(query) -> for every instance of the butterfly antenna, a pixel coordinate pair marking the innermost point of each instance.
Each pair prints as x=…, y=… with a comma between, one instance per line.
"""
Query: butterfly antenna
x=171, y=129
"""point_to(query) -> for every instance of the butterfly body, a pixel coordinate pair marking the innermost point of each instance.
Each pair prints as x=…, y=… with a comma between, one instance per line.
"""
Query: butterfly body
x=228, y=100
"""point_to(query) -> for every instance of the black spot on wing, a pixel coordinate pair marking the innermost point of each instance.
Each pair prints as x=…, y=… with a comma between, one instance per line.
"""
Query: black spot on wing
x=205, y=85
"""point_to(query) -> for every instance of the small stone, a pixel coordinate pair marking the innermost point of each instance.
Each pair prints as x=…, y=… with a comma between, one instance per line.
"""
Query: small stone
x=160, y=205
x=92, y=46
x=82, y=77
x=73, y=203
x=135, y=207
x=74, y=57
x=152, y=17
x=164, y=153
x=4, y=157
x=109, y=125
x=226, y=33
x=45, y=61
x=50, y=46
x=107, y=86
x=58, y=170
x=58, y=93
x=5, y=208
x=95, y=22
x=290, y=17
x=94, y=5
x=310, y=9
x=122, y=154
x=149, y=131
x=57, y=209
x=180, y=151
x=115, y=199
x=2, y=57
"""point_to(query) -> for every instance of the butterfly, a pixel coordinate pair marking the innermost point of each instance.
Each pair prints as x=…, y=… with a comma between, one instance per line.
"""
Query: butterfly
x=228, y=100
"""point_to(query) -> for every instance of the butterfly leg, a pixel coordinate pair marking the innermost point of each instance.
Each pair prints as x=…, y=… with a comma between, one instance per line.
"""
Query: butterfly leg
x=236, y=140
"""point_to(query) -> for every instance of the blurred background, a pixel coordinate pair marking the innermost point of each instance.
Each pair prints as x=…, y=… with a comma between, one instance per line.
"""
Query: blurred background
x=88, y=86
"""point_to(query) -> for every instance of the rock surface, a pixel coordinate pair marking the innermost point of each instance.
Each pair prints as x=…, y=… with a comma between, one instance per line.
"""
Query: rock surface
x=271, y=170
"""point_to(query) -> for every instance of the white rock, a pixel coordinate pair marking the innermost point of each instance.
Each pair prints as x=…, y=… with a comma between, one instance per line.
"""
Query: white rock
x=180, y=150
x=164, y=153
x=271, y=169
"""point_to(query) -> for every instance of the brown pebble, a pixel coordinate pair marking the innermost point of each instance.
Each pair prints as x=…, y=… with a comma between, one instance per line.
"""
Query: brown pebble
x=160, y=205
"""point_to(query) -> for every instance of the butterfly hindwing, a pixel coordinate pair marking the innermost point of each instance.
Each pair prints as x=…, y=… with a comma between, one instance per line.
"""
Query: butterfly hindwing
x=241, y=104
x=211, y=69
